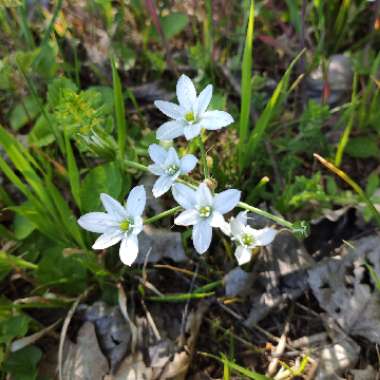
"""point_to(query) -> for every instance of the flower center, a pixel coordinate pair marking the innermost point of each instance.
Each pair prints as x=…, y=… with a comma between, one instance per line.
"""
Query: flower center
x=247, y=239
x=190, y=117
x=125, y=225
x=205, y=211
x=172, y=169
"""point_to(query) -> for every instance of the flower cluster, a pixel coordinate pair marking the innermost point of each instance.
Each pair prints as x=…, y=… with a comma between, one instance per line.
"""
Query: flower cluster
x=202, y=209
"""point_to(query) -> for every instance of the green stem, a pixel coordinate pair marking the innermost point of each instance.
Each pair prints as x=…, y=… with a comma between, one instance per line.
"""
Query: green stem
x=204, y=157
x=136, y=165
x=162, y=215
x=266, y=214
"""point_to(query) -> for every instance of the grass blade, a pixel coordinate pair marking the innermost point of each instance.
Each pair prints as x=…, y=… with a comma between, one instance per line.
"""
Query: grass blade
x=73, y=172
x=246, y=85
x=278, y=96
x=119, y=111
x=346, y=134
x=346, y=178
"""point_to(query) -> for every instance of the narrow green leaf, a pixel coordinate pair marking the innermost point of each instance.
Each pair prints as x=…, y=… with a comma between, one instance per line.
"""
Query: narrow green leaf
x=246, y=82
x=119, y=111
x=73, y=172
x=270, y=110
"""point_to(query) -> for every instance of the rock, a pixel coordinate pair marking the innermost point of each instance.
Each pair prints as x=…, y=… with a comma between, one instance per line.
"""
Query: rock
x=339, y=78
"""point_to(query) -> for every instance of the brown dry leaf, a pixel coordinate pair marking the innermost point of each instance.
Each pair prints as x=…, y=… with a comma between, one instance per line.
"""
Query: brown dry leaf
x=346, y=291
x=84, y=360
x=163, y=359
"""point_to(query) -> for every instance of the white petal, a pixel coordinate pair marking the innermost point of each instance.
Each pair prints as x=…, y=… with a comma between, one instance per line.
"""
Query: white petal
x=170, y=130
x=162, y=185
x=226, y=228
x=192, y=130
x=217, y=220
x=187, y=218
x=97, y=222
x=226, y=200
x=213, y=120
x=202, y=235
x=243, y=255
x=204, y=99
x=113, y=207
x=237, y=228
x=129, y=249
x=186, y=92
x=157, y=153
x=172, y=158
x=136, y=201
x=156, y=169
x=171, y=110
x=108, y=239
x=242, y=217
x=204, y=196
x=188, y=163
x=264, y=236
x=138, y=225
x=184, y=195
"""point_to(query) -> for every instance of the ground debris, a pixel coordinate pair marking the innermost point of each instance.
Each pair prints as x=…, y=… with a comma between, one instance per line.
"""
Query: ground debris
x=84, y=360
x=344, y=288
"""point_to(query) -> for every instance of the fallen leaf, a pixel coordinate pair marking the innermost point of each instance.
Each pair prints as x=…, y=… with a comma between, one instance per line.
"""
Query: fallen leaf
x=344, y=289
x=84, y=360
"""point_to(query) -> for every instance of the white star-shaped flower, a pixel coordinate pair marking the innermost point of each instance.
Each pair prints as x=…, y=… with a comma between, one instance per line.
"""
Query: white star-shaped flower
x=118, y=223
x=190, y=115
x=247, y=237
x=203, y=211
x=168, y=166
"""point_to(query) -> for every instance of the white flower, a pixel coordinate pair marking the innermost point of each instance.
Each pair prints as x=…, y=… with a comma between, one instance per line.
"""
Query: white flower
x=168, y=166
x=203, y=211
x=118, y=223
x=191, y=115
x=247, y=237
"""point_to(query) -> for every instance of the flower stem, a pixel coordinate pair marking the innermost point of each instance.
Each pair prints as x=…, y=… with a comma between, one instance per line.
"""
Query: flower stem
x=162, y=215
x=266, y=214
x=204, y=157
x=135, y=165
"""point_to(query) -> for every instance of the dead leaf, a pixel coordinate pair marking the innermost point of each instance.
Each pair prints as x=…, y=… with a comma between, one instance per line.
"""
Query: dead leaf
x=346, y=291
x=84, y=360
x=281, y=274
x=159, y=244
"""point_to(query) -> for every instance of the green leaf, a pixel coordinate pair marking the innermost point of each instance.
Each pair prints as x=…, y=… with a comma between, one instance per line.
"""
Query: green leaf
x=271, y=109
x=13, y=327
x=373, y=183
x=23, y=227
x=246, y=83
x=73, y=171
x=173, y=24
x=41, y=134
x=24, y=112
x=119, y=111
x=61, y=272
x=105, y=178
x=22, y=364
x=363, y=147
x=56, y=89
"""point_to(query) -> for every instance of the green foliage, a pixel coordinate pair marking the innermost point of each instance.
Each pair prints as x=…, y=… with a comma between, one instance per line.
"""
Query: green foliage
x=105, y=178
x=22, y=364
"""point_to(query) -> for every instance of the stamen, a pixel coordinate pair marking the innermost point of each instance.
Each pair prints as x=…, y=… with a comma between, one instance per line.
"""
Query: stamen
x=205, y=211
x=125, y=225
x=190, y=117
x=172, y=169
